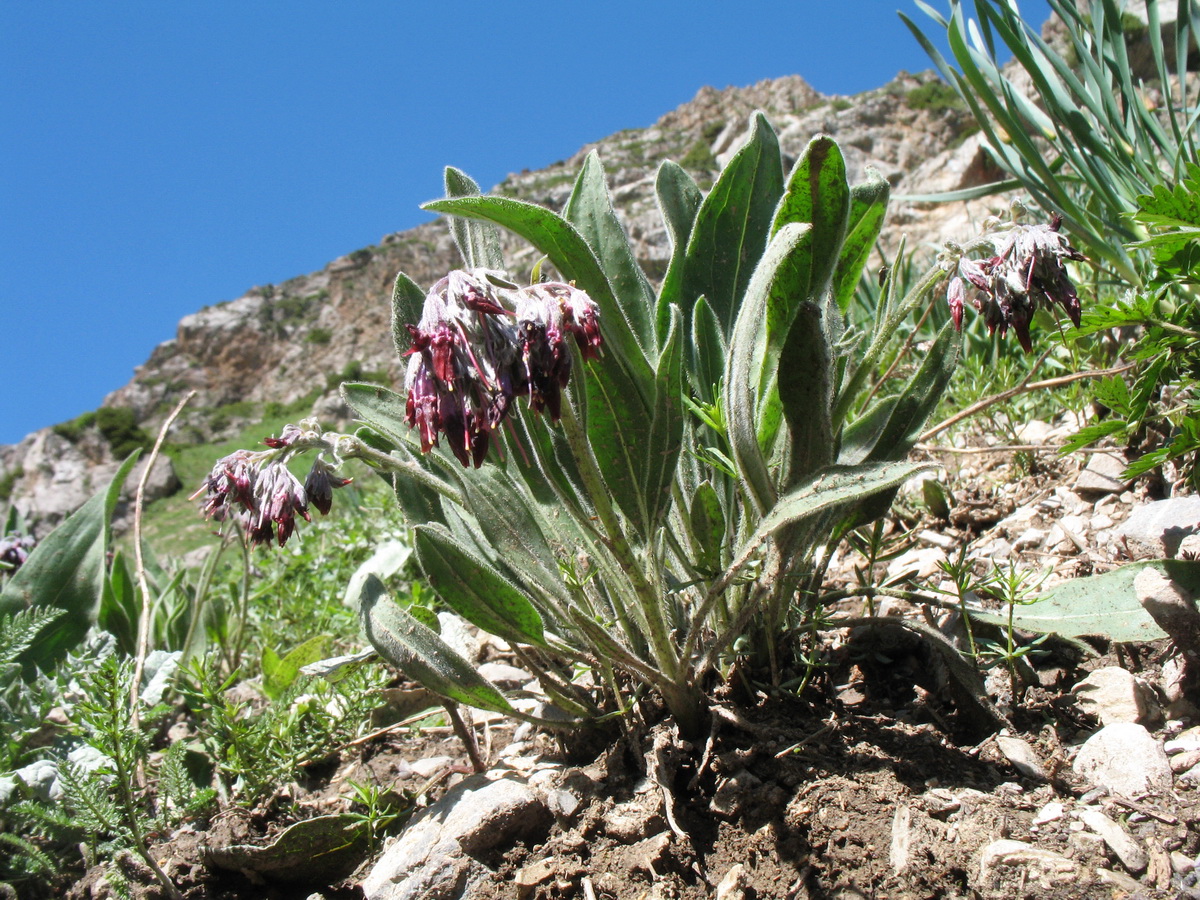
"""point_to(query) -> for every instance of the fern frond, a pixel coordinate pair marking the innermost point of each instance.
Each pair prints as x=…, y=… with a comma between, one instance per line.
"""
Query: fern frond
x=18, y=631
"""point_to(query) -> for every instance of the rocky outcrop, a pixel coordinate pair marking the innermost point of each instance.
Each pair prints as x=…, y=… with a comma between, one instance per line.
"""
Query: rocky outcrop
x=281, y=343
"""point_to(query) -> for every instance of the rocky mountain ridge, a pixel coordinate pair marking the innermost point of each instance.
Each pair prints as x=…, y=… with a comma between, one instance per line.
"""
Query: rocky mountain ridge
x=290, y=344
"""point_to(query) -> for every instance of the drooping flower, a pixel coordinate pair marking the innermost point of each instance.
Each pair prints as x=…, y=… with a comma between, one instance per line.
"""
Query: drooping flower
x=14, y=550
x=481, y=343
x=256, y=488
x=1027, y=272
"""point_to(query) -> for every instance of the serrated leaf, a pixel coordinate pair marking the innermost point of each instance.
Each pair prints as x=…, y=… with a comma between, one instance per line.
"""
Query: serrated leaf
x=590, y=210
x=475, y=590
x=478, y=242
x=66, y=570
x=422, y=655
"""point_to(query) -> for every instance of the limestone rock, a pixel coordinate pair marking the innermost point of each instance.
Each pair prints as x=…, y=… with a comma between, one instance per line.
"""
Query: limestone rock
x=1157, y=529
x=439, y=853
x=1113, y=695
x=1126, y=759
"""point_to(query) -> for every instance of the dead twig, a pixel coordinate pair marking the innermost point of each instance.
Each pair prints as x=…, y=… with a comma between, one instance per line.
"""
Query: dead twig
x=1024, y=387
x=143, y=642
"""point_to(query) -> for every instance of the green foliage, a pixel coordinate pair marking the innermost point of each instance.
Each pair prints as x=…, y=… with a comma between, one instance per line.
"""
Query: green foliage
x=319, y=336
x=354, y=370
x=699, y=157
x=8, y=481
x=935, y=96
x=116, y=424
x=729, y=435
x=1103, y=153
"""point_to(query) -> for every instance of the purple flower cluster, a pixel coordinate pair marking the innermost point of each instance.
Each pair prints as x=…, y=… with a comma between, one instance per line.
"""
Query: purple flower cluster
x=482, y=342
x=1026, y=273
x=257, y=489
x=14, y=550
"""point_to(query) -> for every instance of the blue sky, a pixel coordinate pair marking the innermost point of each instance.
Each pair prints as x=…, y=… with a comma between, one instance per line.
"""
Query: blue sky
x=158, y=157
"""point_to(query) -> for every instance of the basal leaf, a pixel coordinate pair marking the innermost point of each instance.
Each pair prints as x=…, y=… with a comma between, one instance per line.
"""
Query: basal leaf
x=590, y=210
x=666, y=428
x=67, y=571
x=868, y=206
x=732, y=228
x=679, y=201
x=420, y=653
x=475, y=590
x=817, y=194
x=707, y=525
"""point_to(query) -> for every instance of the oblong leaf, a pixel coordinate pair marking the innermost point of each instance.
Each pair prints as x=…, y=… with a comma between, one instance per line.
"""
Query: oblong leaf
x=420, y=653
x=590, y=210
x=478, y=242
x=408, y=301
x=817, y=194
x=66, y=570
x=665, y=438
x=731, y=229
x=868, y=206
x=475, y=590
x=679, y=200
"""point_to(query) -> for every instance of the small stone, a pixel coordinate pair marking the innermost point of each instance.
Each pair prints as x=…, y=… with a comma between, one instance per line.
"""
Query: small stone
x=1022, y=756
x=1029, y=538
x=1051, y=812
x=1181, y=762
x=902, y=838
x=563, y=803
x=733, y=885
x=1131, y=853
x=1125, y=759
x=504, y=676
x=1045, y=866
x=1119, y=880
x=461, y=637
x=1102, y=475
x=531, y=876
x=1181, y=864
x=733, y=792
x=430, y=766
x=1112, y=694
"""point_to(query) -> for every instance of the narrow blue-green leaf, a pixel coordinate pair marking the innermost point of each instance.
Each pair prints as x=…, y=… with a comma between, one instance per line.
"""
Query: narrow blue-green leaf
x=731, y=230
x=408, y=301
x=666, y=428
x=66, y=570
x=860, y=436
x=478, y=242
x=679, y=200
x=475, y=590
x=575, y=261
x=420, y=653
x=868, y=206
x=817, y=194
x=590, y=210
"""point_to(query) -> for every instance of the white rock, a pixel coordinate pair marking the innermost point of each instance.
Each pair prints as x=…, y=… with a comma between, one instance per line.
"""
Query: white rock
x=438, y=853
x=733, y=885
x=1051, y=812
x=1131, y=853
x=1158, y=529
x=1018, y=752
x=1113, y=695
x=1102, y=475
x=1124, y=758
x=430, y=765
x=1044, y=866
